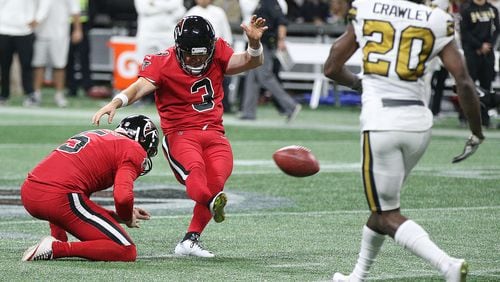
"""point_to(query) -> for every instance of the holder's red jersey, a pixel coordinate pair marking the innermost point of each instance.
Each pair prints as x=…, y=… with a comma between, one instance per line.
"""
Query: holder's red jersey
x=184, y=101
x=91, y=161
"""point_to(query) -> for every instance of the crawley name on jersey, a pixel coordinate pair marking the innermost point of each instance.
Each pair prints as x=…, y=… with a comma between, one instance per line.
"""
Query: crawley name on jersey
x=183, y=101
x=398, y=39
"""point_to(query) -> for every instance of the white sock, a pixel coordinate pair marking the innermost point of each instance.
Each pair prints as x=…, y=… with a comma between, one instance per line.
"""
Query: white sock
x=371, y=242
x=413, y=237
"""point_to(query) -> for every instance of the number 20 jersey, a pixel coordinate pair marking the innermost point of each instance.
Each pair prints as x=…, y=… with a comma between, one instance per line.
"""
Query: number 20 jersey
x=398, y=39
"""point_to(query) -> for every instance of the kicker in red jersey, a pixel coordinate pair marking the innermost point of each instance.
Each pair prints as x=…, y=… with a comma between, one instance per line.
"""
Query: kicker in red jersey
x=188, y=102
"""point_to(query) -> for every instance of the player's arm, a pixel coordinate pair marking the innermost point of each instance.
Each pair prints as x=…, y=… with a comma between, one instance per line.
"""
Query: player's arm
x=454, y=62
x=77, y=34
x=253, y=56
x=342, y=49
x=134, y=92
x=123, y=192
x=124, y=196
x=496, y=32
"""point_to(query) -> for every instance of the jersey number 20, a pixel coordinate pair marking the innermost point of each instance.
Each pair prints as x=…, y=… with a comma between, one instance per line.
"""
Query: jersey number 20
x=413, y=41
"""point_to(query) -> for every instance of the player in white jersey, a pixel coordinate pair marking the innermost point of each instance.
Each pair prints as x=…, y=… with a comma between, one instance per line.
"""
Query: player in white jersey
x=398, y=38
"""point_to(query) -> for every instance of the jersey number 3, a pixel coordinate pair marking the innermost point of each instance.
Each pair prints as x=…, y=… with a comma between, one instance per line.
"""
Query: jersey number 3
x=413, y=41
x=207, y=98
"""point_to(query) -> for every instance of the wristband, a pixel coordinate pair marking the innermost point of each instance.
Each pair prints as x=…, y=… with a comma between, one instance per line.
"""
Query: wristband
x=123, y=98
x=255, y=52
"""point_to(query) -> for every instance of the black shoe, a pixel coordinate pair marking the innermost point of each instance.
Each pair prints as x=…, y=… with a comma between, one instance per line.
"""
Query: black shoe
x=247, y=118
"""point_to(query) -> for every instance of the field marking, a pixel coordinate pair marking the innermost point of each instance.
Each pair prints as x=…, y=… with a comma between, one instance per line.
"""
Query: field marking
x=269, y=167
x=423, y=273
x=303, y=214
x=161, y=256
x=84, y=116
x=293, y=265
x=488, y=273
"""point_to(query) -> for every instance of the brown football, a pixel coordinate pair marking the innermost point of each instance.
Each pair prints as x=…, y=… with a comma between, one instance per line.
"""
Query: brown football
x=100, y=92
x=296, y=161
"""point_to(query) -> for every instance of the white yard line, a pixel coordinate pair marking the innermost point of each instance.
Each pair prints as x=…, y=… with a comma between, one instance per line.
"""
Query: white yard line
x=84, y=116
x=301, y=214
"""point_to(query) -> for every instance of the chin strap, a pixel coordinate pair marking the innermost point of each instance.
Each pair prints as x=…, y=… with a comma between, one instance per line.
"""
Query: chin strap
x=148, y=166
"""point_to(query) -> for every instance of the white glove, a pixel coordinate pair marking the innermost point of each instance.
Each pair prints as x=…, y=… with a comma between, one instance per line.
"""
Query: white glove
x=471, y=146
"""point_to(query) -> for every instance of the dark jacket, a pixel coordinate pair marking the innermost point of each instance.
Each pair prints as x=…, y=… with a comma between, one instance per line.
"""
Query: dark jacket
x=271, y=11
x=479, y=24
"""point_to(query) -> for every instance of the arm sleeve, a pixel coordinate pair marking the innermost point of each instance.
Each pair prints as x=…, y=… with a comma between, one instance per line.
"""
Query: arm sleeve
x=497, y=27
x=150, y=69
x=42, y=10
x=128, y=171
x=74, y=7
x=224, y=52
x=280, y=17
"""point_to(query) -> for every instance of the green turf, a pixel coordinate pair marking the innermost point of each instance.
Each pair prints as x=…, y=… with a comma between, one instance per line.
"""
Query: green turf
x=300, y=229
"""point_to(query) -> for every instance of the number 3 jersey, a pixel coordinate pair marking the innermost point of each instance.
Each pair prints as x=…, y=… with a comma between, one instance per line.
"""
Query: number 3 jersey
x=186, y=102
x=398, y=39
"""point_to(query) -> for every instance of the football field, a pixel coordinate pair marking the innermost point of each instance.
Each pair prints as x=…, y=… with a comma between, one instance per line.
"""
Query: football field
x=277, y=227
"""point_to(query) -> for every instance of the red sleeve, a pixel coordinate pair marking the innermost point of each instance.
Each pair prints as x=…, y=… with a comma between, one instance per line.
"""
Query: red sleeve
x=128, y=171
x=223, y=52
x=150, y=68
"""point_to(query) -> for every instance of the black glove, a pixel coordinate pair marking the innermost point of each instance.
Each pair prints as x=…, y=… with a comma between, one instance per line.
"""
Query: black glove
x=471, y=146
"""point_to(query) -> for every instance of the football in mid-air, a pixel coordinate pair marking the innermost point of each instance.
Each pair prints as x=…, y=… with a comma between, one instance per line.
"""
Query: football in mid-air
x=296, y=161
x=99, y=92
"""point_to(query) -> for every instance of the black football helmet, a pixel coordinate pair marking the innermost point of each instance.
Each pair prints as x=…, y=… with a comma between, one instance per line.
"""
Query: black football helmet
x=141, y=129
x=194, y=36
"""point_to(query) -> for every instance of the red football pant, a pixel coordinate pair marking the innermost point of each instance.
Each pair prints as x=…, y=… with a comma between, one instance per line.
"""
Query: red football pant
x=101, y=237
x=203, y=161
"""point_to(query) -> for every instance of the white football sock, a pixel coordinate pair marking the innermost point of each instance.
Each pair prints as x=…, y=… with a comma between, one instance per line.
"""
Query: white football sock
x=371, y=242
x=413, y=237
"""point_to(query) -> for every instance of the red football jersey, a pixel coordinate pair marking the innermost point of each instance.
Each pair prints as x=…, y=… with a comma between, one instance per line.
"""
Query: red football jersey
x=91, y=161
x=184, y=101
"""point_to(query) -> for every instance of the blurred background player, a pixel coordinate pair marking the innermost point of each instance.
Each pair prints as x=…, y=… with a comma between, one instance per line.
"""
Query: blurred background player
x=395, y=122
x=315, y=12
x=52, y=42
x=479, y=29
x=78, y=66
x=18, y=19
x=186, y=80
x=156, y=20
x=92, y=161
x=264, y=76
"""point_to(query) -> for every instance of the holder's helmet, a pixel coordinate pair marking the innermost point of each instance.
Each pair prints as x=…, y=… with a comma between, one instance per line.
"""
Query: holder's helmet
x=194, y=36
x=141, y=129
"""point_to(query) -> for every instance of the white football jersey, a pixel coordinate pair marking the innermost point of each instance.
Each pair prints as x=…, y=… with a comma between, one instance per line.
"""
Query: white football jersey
x=398, y=39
